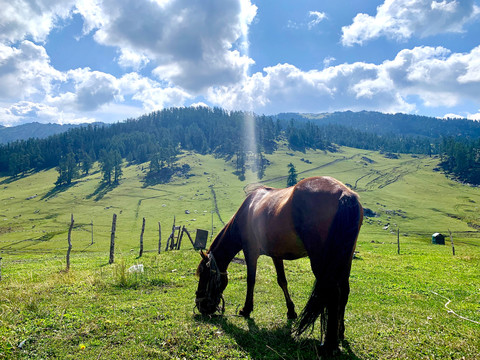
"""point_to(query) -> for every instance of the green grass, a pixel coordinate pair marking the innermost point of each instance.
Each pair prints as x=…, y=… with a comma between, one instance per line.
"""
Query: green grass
x=396, y=307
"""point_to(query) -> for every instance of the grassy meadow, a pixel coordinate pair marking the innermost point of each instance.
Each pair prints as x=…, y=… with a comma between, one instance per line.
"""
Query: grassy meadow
x=423, y=303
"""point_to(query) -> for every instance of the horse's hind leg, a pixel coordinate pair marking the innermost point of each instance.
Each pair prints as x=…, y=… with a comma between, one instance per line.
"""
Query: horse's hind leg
x=282, y=281
x=334, y=316
x=344, y=292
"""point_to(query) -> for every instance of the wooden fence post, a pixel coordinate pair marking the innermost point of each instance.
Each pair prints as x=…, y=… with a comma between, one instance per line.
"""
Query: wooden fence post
x=91, y=224
x=141, y=238
x=159, y=237
x=211, y=234
x=451, y=241
x=398, y=241
x=0, y=268
x=112, y=239
x=69, y=243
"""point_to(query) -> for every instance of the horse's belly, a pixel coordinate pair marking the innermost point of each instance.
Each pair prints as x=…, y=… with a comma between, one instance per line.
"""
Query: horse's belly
x=287, y=246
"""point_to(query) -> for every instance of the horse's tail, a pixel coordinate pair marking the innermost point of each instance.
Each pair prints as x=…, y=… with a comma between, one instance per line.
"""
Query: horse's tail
x=332, y=264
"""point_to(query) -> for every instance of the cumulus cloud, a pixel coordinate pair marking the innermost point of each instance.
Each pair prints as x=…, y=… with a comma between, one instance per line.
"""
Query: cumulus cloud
x=475, y=117
x=93, y=88
x=435, y=75
x=34, y=18
x=402, y=19
x=192, y=42
x=27, y=111
x=130, y=59
x=284, y=87
x=32, y=90
x=25, y=71
x=453, y=116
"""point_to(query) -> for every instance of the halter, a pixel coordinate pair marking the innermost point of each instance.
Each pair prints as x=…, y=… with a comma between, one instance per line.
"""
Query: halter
x=213, y=284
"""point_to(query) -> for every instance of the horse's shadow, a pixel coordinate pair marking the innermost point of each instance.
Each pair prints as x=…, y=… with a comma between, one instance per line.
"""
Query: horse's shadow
x=276, y=343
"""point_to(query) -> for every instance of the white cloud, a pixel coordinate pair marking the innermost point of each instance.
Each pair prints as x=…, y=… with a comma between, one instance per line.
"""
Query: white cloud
x=284, y=87
x=157, y=98
x=435, y=75
x=475, y=117
x=193, y=43
x=453, y=116
x=93, y=88
x=318, y=17
x=32, y=90
x=34, y=18
x=402, y=19
x=25, y=71
x=131, y=59
x=199, y=104
x=27, y=111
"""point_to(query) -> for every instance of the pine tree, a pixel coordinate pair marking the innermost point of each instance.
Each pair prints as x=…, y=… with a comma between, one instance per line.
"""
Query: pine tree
x=87, y=163
x=67, y=170
x=106, y=166
x=117, y=166
x=292, y=175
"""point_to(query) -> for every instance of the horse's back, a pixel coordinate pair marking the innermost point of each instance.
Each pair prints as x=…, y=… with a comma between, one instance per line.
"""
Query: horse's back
x=315, y=201
x=278, y=220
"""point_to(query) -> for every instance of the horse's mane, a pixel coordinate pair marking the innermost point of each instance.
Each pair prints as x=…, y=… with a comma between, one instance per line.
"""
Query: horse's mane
x=250, y=188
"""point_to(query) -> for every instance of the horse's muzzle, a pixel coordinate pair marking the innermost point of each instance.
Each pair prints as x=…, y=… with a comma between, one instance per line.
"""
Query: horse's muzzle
x=207, y=306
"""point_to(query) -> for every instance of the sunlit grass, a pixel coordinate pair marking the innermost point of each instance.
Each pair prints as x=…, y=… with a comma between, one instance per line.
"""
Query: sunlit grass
x=396, y=307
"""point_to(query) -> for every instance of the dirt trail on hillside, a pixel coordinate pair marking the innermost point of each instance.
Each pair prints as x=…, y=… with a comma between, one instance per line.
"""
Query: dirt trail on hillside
x=378, y=179
x=215, y=204
x=279, y=178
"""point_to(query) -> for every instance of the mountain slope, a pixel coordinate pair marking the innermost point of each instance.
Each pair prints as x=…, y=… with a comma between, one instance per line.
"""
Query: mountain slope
x=32, y=130
x=398, y=124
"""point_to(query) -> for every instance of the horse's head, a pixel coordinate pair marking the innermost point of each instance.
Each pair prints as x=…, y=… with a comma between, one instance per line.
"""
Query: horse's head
x=211, y=284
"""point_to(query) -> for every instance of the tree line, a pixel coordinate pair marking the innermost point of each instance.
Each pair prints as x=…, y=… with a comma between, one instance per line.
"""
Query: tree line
x=460, y=157
x=159, y=137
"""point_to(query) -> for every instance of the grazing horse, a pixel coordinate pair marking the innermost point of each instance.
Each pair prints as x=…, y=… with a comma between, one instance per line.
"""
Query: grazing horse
x=319, y=218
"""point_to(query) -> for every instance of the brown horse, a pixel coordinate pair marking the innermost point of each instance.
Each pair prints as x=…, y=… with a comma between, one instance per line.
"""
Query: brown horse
x=319, y=218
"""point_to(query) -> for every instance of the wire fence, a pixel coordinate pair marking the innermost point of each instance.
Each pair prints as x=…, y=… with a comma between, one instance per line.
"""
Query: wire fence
x=94, y=237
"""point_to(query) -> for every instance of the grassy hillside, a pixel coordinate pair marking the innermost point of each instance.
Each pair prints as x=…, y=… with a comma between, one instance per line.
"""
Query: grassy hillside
x=397, y=303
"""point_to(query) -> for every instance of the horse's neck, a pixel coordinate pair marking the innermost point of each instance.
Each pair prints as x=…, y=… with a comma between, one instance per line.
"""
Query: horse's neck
x=225, y=246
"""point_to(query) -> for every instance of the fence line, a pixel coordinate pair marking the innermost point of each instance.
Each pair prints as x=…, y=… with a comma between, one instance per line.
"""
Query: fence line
x=83, y=233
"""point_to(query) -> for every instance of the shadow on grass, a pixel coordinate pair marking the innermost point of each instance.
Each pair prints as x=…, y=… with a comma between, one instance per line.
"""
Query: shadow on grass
x=14, y=178
x=102, y=190
x=278, y=343
x=57, y=190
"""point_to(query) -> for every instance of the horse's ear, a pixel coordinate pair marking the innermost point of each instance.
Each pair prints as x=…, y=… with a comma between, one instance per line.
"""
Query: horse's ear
x=205, y=257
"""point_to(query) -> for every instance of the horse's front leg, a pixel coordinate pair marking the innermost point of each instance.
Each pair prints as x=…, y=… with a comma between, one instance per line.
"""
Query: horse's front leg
x=251, y=274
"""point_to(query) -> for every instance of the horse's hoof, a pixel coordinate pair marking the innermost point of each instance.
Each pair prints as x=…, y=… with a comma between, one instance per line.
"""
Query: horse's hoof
x=292, y=315
x=329, y=350
x=244, y=313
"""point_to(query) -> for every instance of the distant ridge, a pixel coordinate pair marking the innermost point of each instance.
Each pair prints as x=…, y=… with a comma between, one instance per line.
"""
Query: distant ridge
x=398, y=124
x=34, y=130
x=365, y=121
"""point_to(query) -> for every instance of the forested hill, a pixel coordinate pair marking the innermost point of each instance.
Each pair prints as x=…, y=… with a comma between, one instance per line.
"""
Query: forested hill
x=160, y=136
x=399, y=124
x=364, y=121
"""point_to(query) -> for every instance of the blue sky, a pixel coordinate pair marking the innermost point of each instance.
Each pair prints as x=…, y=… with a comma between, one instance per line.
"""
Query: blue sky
x=74, y=61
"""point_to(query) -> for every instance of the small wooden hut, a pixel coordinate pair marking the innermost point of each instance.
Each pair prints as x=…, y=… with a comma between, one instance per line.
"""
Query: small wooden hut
x=438, y=239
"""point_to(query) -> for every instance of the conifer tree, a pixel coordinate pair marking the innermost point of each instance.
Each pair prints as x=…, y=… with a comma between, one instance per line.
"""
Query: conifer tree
x=292, y=175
